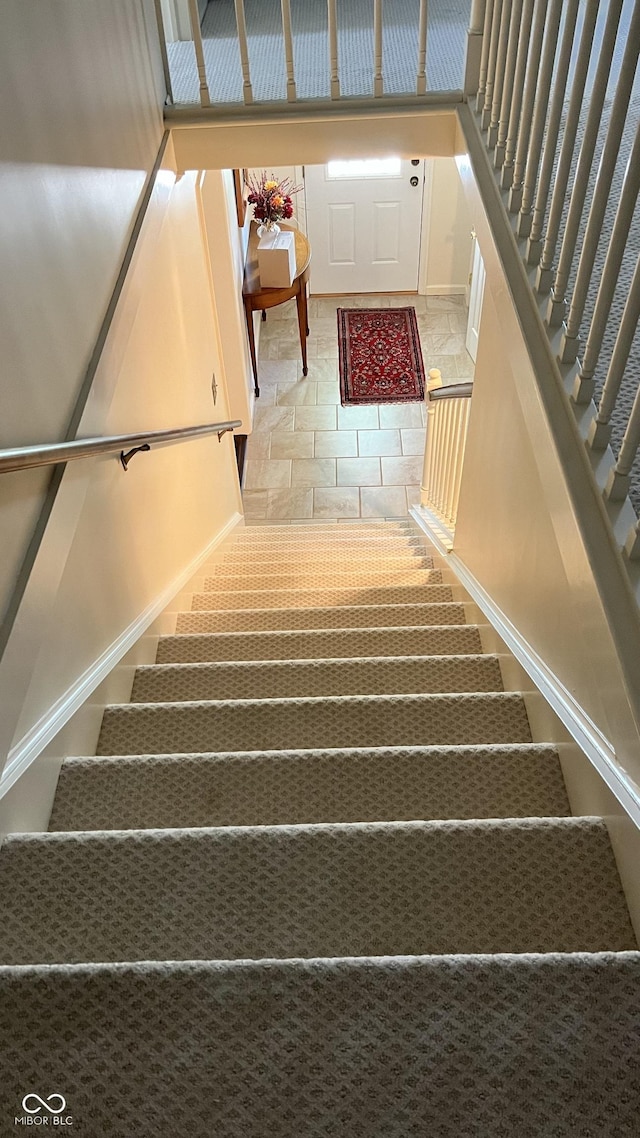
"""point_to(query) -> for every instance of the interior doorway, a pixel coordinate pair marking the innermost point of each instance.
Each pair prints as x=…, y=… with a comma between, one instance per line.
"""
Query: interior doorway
x=364, y=220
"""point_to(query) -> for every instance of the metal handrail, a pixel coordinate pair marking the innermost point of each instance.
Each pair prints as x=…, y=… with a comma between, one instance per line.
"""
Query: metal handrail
x=448, y=391
x=50, y=454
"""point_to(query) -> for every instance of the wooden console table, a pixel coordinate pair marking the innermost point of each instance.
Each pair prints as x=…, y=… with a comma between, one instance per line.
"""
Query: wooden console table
x=257, y=298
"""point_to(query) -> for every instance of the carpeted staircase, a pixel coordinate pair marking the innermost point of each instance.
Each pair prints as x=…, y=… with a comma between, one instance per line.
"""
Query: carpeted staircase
x=319, y=881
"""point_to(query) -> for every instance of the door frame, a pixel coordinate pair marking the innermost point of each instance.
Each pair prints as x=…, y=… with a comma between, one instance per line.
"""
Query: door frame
x=425, y=227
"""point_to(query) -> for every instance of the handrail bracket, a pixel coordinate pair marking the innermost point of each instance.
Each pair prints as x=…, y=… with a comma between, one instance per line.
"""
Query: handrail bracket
x=125, y=459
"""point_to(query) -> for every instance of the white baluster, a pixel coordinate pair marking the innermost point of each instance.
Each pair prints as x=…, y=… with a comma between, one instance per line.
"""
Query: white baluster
x=378, y=81
x=241, y=24
x=434, y=379
x=163, y=50
x=448, y=444
x=507, y=84
x=540, y=112
x=491, y=67
x=545, y=272
x=288, y=50
x=332, y=13
x=421, y=82
x=534, y=247
x=194, y=16
x=606, y=170
x=464, y=430
x=501, y=63
x=557, y=303
x=583, y=390
x=511, y=139
x=600, y=431
x=484, y=58
x=618, y=484
x=528, y=101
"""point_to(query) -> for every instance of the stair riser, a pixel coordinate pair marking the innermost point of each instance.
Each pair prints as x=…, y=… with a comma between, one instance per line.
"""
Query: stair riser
x=302, y=577
x=348, y=525
x=319, y=645
x=352, y=526
x=246, y=725
x=309, y=786
x=356, y=616
x=280, y=680
x=398, y=889
x=340, y=559
x=311, y=598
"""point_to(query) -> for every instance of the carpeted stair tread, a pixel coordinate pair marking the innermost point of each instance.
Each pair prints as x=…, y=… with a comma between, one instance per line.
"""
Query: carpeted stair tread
x=491, y=1046
x=301, y=577
x=319, y=644
x=311, y=598
x=314, y=559
x=331, y=616
x=377, y=889
x=332, y=721
x=336, y=554
x=285, y=787
x=281, y=679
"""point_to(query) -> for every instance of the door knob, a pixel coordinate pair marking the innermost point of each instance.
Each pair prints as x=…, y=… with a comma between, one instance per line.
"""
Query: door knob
x=414, y=181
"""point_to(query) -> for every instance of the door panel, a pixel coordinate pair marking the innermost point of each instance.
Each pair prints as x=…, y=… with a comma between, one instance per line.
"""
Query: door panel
x=386, y=233
x=342, y=237
x=363, y=222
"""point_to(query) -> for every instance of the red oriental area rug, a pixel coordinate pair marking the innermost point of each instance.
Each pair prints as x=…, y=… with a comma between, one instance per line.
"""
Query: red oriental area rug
x=379, y=355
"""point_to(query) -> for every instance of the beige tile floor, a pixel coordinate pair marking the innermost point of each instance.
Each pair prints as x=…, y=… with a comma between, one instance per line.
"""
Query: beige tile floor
x=308, y=457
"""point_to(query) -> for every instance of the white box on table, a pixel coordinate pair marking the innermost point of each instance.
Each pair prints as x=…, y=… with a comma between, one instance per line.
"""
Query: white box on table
x=277, y=259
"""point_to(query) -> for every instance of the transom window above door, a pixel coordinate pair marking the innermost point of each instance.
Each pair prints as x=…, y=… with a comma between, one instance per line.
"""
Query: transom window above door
x=365, y=168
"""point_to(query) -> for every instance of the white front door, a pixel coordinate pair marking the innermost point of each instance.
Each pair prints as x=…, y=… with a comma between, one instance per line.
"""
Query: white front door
x=476, y=294
x=363, y=222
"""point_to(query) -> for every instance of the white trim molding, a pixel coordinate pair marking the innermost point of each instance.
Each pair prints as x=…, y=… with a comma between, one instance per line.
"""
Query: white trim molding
x=24, y=753
x=582, y=729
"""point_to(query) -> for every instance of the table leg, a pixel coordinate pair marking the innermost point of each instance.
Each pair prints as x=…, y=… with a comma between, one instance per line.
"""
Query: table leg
x=301, y=304
x=264, y=314
x=252, y=349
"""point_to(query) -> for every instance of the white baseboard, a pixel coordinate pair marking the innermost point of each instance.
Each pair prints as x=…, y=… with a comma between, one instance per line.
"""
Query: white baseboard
x=49, y=725
x=445, y=290
x=582, y=729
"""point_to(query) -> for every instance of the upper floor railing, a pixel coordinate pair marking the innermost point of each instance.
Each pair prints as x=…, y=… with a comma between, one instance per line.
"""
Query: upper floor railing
x=248, y=51
x=558, y=106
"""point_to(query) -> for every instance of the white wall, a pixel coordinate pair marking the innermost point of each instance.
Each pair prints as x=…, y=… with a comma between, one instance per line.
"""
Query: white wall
x=81, y=91
x=117, y=541
x=446, y=231
x=226, y=245
x=82, y=96
x=175, y=16
x=517, y=532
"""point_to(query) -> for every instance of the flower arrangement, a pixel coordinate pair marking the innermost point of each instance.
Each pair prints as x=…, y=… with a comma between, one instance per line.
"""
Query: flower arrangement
x=271, y=200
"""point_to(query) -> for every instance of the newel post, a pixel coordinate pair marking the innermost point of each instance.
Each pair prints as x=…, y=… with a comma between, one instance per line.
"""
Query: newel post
x=474, y=47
